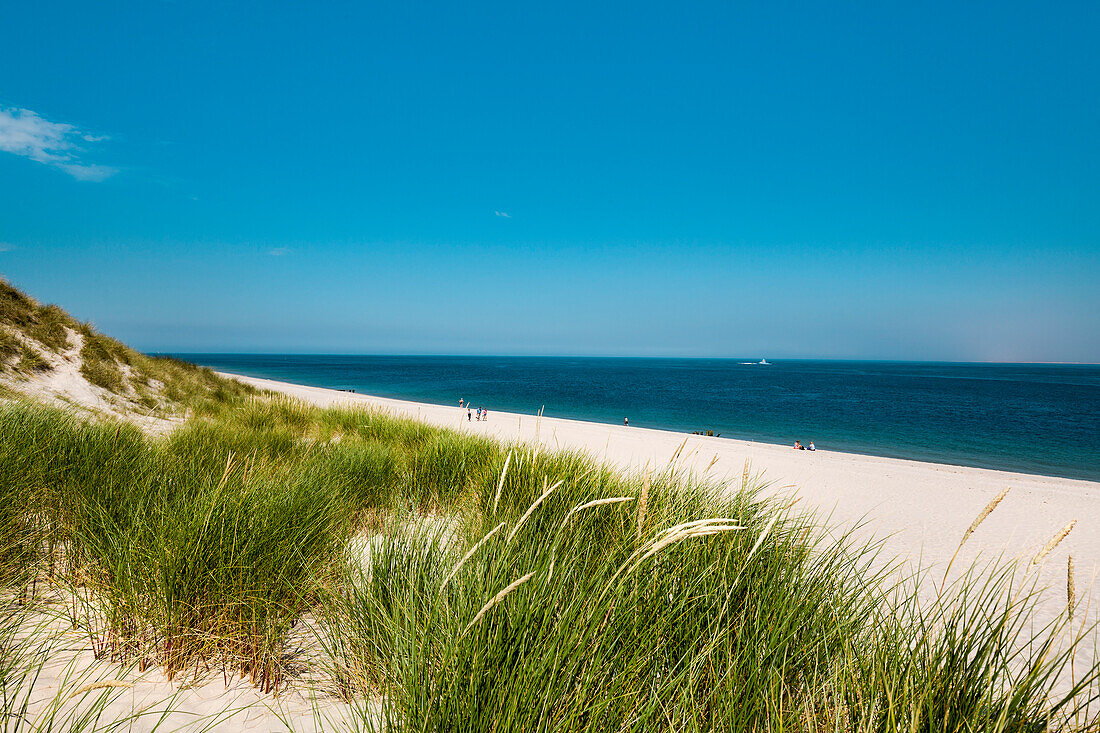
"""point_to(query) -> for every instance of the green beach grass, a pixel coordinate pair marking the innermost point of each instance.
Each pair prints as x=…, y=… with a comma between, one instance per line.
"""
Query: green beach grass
x=456, y=583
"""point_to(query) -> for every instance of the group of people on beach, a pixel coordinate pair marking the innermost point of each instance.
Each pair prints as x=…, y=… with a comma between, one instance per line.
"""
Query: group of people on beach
x=482, y=413
x=798, y=446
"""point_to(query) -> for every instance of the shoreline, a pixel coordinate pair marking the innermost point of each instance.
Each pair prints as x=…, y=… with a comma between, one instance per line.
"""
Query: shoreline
x=957, y=418
x=428, y=408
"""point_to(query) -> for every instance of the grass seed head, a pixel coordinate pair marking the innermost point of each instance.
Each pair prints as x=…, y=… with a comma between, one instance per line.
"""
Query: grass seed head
x=469, y=554
x=984, y=513
x=101, y=685
x=497, y=599
x=500, y=486
x=531, y=509
x=595, y=503
x=1071, y=588
x=1054, y=542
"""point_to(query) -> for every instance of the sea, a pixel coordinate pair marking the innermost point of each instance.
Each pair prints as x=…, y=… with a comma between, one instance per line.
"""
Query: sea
x=1030, y=418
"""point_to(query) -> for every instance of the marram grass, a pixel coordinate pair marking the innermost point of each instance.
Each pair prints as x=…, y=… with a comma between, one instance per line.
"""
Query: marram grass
x=461, y=584
x=723, y=613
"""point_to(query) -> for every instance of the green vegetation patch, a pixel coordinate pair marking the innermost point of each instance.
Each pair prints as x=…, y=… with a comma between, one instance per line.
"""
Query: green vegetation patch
x=45, y=324
x=16, y=308
x=98, y=347
x=31, y=360
x=103, y=373
x=50, y=328
x=189, y=564
x=159, y=384
x=186, y=386
x=9, y=346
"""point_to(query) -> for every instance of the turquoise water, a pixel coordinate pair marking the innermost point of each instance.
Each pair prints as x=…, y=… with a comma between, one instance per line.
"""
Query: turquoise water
x=1041, y=419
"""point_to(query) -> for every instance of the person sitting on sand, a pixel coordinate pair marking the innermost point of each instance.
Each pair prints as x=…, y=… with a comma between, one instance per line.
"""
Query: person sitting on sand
x=811, y=446
x=798, y=446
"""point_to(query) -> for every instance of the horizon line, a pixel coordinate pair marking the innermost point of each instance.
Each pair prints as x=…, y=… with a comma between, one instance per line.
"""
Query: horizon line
x=615, y=356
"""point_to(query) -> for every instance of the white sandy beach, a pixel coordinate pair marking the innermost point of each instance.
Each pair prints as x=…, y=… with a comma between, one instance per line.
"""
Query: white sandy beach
x=920, y=510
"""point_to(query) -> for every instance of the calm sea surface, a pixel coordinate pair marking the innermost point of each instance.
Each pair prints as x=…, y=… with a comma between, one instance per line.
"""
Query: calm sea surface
x=1032, y=418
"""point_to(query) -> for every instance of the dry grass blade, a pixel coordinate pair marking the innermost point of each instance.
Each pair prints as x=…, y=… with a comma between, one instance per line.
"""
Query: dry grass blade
x=469, y=554
x=595, y=503
x=642, y=502
x=102, y=685
x=1054, y=542
x=674, y=537
x=1071, y=604
x=497, y=599
x=695, y=523
x=745, y=475
x=687, y=530
x=500, y=485
x=760, y=540
x=531, y=509
x=676, y=455
x=1071, y=589
x=225, y=474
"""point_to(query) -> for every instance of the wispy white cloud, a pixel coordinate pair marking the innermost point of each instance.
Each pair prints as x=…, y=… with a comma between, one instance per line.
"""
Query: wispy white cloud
x=505, y=214
x=5, y=247
x=57, y=144
x=279, y=251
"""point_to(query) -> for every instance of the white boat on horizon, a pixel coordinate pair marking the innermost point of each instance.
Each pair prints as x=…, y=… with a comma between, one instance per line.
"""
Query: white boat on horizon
x=763, y=361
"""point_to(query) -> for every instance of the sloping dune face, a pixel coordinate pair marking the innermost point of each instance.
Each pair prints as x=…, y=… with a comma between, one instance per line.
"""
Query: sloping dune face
x=48, y=356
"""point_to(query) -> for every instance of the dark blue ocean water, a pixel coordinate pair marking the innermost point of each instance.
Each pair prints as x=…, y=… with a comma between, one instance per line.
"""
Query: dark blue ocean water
x=1022, y=417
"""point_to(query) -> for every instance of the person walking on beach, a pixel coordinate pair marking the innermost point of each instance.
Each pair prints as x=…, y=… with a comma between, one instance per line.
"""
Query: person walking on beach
x=460, y=403
x=485, y=415
x=626, y=421
x=469, y=414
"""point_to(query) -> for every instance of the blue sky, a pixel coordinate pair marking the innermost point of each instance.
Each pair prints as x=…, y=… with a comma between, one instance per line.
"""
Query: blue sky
x=864, y=180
